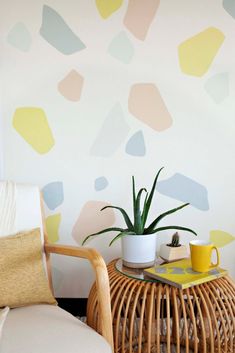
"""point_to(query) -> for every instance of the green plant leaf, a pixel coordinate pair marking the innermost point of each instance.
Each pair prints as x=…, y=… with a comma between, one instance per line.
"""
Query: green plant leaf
x=172, y=227
x=157, y=220
x=137, y=213
x=125, y=216
x=116, y=229
x=120, y=235
x=133, y=194
x=149, y=200
x=144, y=209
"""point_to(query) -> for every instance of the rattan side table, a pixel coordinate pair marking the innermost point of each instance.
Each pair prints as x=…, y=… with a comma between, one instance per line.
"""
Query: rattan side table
x=152, y=317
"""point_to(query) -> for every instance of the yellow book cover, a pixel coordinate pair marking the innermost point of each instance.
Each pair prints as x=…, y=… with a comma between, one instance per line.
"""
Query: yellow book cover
x=180, y=274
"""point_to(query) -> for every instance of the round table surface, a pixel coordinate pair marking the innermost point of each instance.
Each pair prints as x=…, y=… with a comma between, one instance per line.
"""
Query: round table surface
x=150, y=316
x=136, y=273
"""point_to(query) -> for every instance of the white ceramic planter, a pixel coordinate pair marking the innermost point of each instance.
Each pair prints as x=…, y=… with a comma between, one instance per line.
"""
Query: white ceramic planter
x=139, y=251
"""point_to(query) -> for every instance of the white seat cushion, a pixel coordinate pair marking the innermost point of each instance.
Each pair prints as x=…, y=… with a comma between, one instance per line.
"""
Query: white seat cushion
x=48, y=329
x=3, y=315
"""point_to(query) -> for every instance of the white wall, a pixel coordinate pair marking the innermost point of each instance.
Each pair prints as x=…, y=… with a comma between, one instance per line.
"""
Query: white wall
x=199, y=144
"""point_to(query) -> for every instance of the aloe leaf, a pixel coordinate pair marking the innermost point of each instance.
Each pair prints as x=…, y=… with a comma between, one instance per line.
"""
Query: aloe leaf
x=144, y=209
x=120, y=235
x=137, y=214
x=172, y=227
x=125, y=216
x=149, y=201
x=133, y=193
x=116, y=229
x=157, y=220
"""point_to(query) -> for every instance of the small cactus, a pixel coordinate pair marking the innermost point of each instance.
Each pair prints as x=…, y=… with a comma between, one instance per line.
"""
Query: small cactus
x=175, y=241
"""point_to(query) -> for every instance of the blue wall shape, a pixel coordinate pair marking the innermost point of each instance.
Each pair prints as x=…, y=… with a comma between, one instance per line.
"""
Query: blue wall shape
x=53, y=194
x=185, y=189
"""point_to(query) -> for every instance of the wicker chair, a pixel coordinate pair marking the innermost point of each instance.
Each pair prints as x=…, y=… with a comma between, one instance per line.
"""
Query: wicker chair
x=47, y=328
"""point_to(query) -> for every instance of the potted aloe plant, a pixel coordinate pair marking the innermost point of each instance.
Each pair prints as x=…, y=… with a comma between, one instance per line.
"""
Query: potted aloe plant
x=139, y=239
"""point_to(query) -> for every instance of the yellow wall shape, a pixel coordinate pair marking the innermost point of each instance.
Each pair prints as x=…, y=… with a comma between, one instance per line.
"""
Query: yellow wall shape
x=52, y=226
x=107, y=7
x=32, y=125
x=221, y=238
x=197, y=53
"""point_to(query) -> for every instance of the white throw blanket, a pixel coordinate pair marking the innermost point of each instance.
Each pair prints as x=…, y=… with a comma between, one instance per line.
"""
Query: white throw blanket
x=7, y=208
x=7, y=223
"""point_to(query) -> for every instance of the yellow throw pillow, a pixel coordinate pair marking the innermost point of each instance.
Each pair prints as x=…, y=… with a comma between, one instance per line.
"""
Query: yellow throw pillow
x=23, y=279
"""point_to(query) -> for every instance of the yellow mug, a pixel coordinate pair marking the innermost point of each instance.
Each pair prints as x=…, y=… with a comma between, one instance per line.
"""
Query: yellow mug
x=201, y=252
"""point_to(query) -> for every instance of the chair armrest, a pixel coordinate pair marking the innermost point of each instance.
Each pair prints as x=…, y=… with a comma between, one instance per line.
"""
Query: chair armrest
x=102, y=281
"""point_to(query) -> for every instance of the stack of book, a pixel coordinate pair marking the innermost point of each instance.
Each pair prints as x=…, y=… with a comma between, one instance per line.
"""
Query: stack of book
x=180, y=274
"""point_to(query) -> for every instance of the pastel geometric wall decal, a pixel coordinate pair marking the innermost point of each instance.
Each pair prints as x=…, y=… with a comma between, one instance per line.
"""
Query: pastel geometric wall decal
x=57, y=33
x=146, y=104
x=217, y=87
x=101, y=183
x=136, y=145
x=52, y=227
x=229, y=6
x=19, y=37
x=139, y=16
x=121, y=48
x=197, y=53
x=221, y=238
x=71, y=86
x=91, y=220
x=185, y=189
x=32, y=125
x=106, y=7
x=112, y=133
x=53, y=194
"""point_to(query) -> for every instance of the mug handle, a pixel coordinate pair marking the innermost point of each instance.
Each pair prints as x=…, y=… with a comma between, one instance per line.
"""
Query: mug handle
x=218, y=257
